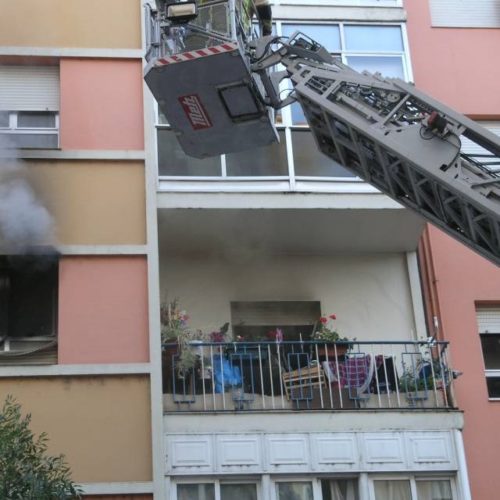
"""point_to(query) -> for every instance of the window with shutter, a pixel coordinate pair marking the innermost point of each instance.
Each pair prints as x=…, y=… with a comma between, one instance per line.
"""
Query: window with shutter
x=465, y=14
x=488, y=321
x=29, y=107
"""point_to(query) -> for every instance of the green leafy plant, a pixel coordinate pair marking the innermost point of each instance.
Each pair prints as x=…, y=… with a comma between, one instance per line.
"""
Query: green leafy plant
x=175, y=328
x=26, y=471
x=409, y=381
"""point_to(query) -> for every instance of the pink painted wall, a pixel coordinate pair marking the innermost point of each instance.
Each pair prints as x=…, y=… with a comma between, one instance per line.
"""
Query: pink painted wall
x=103, y=310
x=462, y=278
x=101, y=104
x=456, y=66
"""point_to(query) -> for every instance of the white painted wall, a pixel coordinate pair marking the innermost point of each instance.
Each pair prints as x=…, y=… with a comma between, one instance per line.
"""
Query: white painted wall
x=370, y=293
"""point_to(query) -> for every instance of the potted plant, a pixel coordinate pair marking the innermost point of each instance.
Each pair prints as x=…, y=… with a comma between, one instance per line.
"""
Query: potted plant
x=420, y=383
x=175, y=329
x=325, y=331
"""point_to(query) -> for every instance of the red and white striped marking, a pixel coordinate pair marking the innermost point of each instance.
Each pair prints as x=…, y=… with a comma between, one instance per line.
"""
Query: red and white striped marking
x=196, y=54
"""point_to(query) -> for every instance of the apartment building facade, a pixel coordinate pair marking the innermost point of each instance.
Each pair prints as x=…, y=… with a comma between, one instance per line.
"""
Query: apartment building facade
x=75, y=348
x=462, y=288
x=266, y=240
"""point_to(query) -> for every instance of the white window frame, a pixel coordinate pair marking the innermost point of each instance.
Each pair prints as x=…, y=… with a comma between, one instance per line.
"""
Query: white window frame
x=217, y=483
x=14, y=130
x=315, y=482
x=413, y=479
x=290, y=182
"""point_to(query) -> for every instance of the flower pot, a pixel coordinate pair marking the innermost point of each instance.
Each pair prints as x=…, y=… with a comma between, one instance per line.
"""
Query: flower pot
x=331, y=350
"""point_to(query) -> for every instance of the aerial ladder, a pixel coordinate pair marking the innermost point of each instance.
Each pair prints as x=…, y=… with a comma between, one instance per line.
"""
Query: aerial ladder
x=218, y=88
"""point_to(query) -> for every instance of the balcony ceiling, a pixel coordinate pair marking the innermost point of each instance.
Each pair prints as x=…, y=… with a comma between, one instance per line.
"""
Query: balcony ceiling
x=286, y=231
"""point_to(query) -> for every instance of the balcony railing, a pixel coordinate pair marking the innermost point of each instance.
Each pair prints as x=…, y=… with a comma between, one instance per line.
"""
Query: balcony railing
x=306, y=375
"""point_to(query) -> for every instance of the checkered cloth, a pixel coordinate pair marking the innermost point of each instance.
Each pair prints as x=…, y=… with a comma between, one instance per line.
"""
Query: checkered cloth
x=353, y=372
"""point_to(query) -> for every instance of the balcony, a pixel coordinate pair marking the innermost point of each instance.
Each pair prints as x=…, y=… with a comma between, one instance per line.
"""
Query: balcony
x=280, y=376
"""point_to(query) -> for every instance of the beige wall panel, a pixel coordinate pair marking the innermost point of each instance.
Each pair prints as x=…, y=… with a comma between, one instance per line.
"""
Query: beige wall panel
x=62, y=23
x=369, y=293
x=93, y=203
x=101, y=424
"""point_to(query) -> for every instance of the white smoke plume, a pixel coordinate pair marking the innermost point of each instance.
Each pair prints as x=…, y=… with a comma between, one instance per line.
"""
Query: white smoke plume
x=25, y=223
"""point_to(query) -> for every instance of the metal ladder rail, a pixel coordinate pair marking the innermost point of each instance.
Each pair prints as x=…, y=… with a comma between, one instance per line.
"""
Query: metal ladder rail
x=427, y=174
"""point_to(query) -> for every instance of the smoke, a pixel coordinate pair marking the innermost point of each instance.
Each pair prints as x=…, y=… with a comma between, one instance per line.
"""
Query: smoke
x=25, y=223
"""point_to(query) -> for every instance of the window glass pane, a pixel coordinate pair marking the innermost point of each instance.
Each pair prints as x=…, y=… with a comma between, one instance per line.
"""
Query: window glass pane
x=340, y=489
x=4, y=119
x=42, y=141
x=35, y=119
x=238, y=491
x=434, y=490
x=295, y=491
x=493, y=384
x=298, y=117
x=491, y=351
x=196, y=491
x=392, y=490
x=373, y=38
x=265, y=161
x=327, y=35
x=387, y=66
x=173, y=161
x=309, y=161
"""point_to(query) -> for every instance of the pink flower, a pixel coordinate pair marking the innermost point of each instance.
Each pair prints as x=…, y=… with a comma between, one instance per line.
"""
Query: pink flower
x=333, y=316
x=323, y=320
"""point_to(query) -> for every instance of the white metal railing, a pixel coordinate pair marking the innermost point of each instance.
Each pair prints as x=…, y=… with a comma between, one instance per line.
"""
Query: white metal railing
x=306, y=375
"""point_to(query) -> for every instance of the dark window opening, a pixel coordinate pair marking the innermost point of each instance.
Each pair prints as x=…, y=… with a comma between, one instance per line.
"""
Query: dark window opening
x=28, y=305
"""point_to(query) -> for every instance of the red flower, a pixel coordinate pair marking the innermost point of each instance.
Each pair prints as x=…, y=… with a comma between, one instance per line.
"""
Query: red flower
x=333, y=316
x=323, y=320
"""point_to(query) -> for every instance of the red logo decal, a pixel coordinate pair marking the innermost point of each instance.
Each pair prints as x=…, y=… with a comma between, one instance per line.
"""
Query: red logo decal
x=195, y=111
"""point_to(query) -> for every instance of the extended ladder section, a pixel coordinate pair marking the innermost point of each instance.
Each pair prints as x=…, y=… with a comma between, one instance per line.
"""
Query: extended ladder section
x=404, y=143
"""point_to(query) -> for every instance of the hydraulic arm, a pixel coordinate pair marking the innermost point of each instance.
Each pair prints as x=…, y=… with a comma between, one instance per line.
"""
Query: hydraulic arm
x=406, y=144
x=216, y=86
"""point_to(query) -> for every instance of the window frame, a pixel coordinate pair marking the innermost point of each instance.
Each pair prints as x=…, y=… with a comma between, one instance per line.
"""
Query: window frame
x=413, y=479
x=14, y=130
x=488, y=372
x=51, y=275
x=217, y=484
x=290, y=182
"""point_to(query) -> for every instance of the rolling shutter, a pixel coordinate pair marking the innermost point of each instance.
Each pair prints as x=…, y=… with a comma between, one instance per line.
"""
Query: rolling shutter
x=470, y=148
x=488, y=319
x=465, y=13
x=29, y=88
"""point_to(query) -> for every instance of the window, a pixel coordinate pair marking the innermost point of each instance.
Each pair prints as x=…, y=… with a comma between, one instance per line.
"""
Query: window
x=339, y=489
x=28, y=309
x=413, y=488
x=460, y=14
x=392, y=489
x=254, y=320
x=294, y=490
x=296, y=160
x=29, y=105
x=488, y=320
x=434, y=490
x=476, y=152
x=226, y=491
